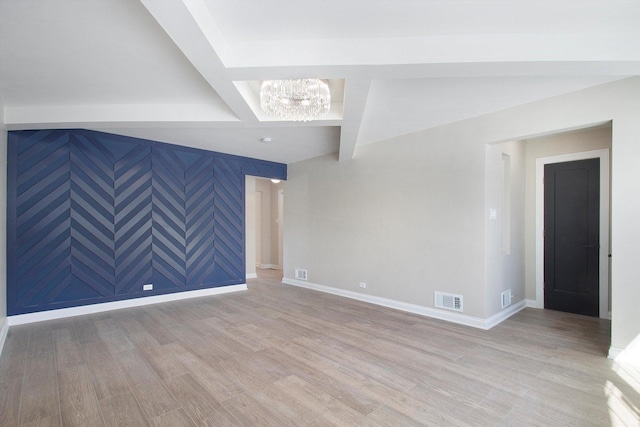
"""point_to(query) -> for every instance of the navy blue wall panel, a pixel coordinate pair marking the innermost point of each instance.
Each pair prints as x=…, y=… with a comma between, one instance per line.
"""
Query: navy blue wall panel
x=94, y=216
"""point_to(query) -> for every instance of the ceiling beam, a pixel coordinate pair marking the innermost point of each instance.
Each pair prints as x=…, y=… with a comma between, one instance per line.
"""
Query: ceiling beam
x=356, y=91
x=119, y=115
x=192, y=28
x=436, y=49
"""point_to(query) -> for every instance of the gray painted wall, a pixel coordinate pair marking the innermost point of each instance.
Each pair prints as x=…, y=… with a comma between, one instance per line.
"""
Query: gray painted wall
x=504, y=235
x=407, y=215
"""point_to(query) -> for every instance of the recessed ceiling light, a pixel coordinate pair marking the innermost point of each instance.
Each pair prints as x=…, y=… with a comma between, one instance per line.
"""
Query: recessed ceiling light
x=266, y=139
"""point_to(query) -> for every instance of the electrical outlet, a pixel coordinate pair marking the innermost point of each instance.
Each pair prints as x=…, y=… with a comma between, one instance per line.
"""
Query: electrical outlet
x=147, y=287
x=363, y=285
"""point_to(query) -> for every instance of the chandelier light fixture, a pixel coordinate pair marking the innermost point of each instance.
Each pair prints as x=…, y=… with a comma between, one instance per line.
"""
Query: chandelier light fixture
x=295, y=99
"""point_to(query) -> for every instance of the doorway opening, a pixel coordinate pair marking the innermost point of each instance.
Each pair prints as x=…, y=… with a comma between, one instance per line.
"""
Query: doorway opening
x=264, y=228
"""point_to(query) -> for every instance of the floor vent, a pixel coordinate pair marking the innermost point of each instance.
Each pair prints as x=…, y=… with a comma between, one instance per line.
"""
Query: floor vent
x=448, y=301
x=301, y=274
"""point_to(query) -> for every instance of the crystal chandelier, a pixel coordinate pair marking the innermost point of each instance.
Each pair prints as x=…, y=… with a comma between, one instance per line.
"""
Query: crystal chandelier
x=296, y=99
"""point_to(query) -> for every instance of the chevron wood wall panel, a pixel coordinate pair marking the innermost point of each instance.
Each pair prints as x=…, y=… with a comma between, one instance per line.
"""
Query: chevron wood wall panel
x=92, y=221
x=93, y=216
x=182, y=217
x=41, y=232
x=228, y=226
x=132, y=223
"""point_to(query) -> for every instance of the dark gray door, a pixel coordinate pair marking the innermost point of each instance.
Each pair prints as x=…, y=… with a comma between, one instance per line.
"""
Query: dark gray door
x=571, y=236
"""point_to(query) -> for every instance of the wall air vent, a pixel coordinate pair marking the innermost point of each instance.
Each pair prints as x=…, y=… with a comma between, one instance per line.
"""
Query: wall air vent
x=505, y=298
x=301, y=274
x=448, y=301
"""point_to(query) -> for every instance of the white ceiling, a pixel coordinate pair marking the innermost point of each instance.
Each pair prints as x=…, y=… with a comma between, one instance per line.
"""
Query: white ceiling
x=186, y=71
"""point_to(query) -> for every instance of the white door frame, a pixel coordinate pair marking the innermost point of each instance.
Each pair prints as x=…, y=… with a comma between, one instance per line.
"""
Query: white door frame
x=604, y=284
x=280, y=228
x=258, y=214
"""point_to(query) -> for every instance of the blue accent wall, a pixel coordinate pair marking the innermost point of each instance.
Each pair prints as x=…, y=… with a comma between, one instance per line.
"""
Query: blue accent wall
x=94, y=216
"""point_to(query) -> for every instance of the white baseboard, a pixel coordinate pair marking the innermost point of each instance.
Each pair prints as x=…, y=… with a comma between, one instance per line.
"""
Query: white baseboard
x=614, y=353
x=461, y=319
x=252, y=276
x=531, y=303
x=503, y=315
x=4, y=330
x=21, y=319
x=629, y=354
x=269, y=266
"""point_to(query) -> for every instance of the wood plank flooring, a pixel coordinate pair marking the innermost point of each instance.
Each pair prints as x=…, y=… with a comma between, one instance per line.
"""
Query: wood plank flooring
x=284, y=356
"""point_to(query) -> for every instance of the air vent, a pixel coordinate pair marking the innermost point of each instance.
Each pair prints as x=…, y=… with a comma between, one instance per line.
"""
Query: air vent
x=505, y=298
x=448, y=301
x=301, y=274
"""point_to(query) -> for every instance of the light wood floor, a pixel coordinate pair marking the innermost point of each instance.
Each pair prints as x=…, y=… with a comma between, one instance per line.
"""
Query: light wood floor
x=280, y=355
